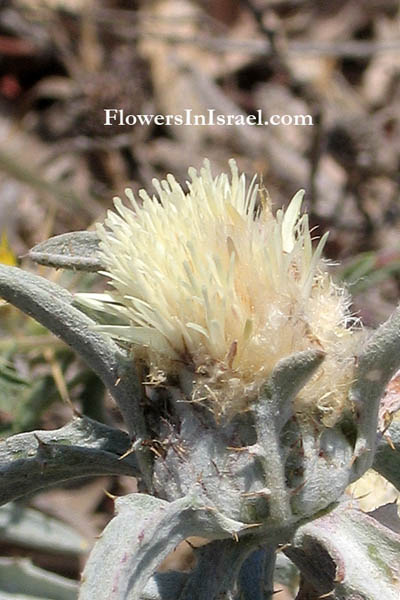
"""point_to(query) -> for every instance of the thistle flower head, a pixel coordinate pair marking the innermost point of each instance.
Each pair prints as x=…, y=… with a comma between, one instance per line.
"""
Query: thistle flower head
x=212, y=280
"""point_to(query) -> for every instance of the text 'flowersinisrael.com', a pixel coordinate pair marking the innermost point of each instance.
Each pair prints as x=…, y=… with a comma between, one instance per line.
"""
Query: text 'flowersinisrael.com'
x=117, y=116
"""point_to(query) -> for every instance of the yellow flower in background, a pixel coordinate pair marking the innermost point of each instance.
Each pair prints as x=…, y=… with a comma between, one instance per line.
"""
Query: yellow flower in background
x=7, y=256
x=213, y=281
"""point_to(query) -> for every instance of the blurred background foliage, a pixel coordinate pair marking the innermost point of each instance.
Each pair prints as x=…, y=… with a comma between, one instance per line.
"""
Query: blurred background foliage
x=62, y=62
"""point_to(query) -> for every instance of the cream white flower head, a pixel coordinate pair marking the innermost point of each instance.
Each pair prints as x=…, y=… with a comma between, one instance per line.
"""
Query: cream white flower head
x=212, y=281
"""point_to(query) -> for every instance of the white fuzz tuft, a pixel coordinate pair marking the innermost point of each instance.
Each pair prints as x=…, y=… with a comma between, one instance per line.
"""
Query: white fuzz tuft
x=213, y=281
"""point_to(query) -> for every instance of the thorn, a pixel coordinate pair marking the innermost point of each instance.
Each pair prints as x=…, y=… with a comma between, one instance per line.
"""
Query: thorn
x=264, y=493
x=110, y=495
x=45, y=449
x=298, y=488
x=389, y=441
x=210, y=508
x=283, y=547
x=40, y=442
x=359, y=453
x=214, y=464
x=327, y=594
x=253, y=525
x=156, y=452
x=128, y=452
x=353, y=460
x=117, y=381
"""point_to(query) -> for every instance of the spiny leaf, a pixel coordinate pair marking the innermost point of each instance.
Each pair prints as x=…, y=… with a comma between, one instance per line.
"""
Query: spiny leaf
x=36, y=460
x=76, y=250
x=348, y=554
x=144, y=531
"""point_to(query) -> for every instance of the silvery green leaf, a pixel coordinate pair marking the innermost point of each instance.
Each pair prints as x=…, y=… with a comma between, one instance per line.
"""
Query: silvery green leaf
x=377, y=363
x=272, y=411
x=50, y=304
x=330, y=453
x=144, y=531
x=30, y=528
x=20, y=579
x=77, y=250
x=348, y=554
x=287, y=379
x=39, y=459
